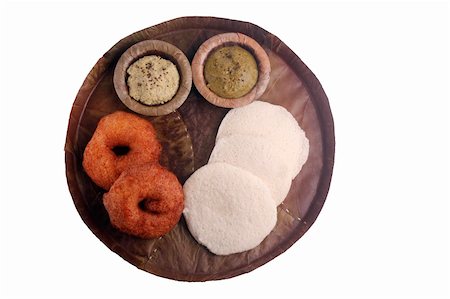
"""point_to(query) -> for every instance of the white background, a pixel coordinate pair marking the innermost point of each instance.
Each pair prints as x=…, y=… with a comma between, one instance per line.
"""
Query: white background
x=384, y=229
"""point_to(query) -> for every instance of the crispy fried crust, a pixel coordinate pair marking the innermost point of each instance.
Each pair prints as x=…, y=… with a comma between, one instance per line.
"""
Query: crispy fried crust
x=145, y=201
x=123, y=129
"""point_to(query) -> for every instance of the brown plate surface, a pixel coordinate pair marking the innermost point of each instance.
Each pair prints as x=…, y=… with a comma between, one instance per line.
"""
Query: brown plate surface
x=188, y=137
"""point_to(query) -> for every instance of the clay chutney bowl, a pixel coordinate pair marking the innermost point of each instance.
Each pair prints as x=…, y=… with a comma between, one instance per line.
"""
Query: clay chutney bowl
x=164, y=50
x=223, y=40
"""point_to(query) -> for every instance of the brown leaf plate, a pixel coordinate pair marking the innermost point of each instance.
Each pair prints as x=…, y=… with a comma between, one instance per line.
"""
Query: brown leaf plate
x=188, y=136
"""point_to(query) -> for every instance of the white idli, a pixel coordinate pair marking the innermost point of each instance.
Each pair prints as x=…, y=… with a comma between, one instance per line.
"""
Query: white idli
x=273, y=122
x=228, y=209
x=257, y=155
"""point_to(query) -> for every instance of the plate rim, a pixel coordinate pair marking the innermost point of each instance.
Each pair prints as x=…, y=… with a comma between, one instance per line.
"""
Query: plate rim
x=321, y=104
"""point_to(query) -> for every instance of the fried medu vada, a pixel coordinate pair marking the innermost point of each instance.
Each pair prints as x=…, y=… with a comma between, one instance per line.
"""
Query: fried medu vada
x=145, y=201
x=120, y=140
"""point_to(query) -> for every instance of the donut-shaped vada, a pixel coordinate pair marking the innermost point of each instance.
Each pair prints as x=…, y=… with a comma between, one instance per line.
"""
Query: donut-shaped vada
x=120, y=140
x=145, y=201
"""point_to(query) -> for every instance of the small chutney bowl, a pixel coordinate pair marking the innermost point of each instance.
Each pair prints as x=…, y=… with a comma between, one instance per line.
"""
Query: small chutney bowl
x=224, y=40
x=166, y=51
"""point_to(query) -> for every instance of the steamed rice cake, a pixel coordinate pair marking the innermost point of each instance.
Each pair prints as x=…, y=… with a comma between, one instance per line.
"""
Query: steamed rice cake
x=228, y=209
x=273, y=122
x=260, y=157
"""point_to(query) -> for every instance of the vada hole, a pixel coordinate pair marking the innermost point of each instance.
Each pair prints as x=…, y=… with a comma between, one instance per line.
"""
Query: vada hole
x=121, y=150
x=147, y=205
